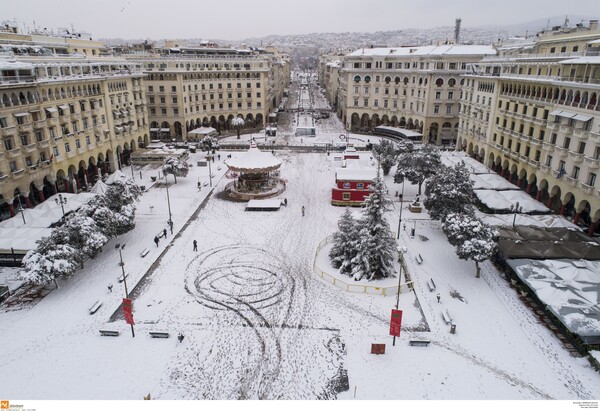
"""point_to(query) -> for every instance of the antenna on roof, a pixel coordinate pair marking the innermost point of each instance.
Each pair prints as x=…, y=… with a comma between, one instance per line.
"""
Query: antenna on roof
x=457, y=30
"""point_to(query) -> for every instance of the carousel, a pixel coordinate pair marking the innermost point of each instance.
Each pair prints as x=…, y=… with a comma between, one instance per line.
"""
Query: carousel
x=255, y=174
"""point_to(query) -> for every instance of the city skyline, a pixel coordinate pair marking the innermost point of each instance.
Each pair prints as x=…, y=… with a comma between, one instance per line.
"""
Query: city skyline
x=236, y=20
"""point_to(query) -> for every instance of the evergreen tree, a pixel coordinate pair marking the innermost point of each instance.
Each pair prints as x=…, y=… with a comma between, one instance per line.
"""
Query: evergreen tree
x=175, y=166
x=417, y=166
x=473, y=239
x=344, y=242
x=376, y=245
x=450, y=190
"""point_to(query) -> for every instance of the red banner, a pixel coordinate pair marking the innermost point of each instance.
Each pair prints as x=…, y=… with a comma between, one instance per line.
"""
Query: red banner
x=396, y=323
x=128, y=311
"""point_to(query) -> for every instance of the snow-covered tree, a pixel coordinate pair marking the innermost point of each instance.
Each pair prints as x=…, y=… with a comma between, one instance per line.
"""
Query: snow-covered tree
x=387, y=153
x=473, y=239
x=237, y=123
x=418, y=165
x=344, y=242
x=376, y=245
x=450, y=190
x=209, y=143
x=49, y=262
x=175, y=166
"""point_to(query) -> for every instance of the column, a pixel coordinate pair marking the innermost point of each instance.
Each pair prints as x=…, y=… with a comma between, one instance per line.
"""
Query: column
x=562, y=209
x=576, y=219
x=11, y=209
x=549, y=204
x=27, y=200
x=538, y=196
x=529, y=187
x=592, y=228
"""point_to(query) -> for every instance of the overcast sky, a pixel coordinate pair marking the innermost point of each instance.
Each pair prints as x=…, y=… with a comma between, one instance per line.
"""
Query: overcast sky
x=240, y=19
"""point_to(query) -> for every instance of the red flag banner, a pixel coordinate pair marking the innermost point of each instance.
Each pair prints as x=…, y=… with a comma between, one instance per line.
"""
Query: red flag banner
x=396, y=323
x=128, y=311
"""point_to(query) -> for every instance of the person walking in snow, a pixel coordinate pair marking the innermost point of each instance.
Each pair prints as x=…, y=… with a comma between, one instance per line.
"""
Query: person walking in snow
x=180, y=337
x=164, y=232
x=110, y=286
x=156, y=240
x=302, y=211
x=195, y=245
x=438, y=297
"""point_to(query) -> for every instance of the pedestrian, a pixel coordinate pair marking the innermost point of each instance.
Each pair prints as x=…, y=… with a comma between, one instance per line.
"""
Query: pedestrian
x=165, y=233
x=170, y=222
x=156, y=240
x=438, y=297
x=302, y=211
x=199, y=186
x=285, y=201
x=110, y=286
x=219, y=157
x=195, y=245
x=180, y=337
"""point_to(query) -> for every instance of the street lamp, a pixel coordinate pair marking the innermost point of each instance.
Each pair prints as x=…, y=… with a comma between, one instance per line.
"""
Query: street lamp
x=209, y=158
x=170, y=222
x=21, y=210
x=401, y=204
x=515, y=208
x=62, y=201
x=122, y=264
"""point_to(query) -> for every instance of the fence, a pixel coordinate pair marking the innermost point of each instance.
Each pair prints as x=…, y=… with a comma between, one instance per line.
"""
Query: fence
x=357, y=288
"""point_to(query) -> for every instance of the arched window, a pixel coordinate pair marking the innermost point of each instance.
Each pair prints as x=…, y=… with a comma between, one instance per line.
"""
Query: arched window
x=367, y=79
x=405, y=81
x=397, y=80
x=388, y=79
x=451, y=82
x=356, y=78
x=439, y=82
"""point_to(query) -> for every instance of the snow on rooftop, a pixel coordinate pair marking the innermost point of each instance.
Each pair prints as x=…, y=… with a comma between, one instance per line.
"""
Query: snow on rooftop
x=444, y=50
x=503, y=200
x=254, y=160
x=491, y=182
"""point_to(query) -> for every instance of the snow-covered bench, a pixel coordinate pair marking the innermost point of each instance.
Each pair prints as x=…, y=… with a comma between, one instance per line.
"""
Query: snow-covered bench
x=446, y=317
x=107, y=333
x=419, y=259
x=419, y=343
x=431, y=284
x=144, y=252
x=156, y=334
x=95, y=307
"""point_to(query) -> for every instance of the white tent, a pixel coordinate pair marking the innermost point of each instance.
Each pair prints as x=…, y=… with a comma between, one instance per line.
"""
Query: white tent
x=99, y=188
x=114, y=176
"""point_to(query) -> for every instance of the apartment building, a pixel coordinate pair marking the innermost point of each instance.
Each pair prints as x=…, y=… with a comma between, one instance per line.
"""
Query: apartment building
x=63, y=121
x=416, y=88
x=532, y=114
x=188, y=88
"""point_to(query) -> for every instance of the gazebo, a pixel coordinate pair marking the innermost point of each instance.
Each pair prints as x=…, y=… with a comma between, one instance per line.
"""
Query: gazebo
x=257, y=175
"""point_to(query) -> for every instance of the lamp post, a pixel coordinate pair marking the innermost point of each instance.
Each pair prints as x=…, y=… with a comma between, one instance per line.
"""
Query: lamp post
x=209, y=159
x=169, y=203
x=21, y=210
x=401, y=205
x=122, y=264
x=62, y=201
x=515, y=208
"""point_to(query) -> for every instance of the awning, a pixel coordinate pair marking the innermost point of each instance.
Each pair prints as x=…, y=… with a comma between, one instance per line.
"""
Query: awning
x=51, y=110
x=164, y=130
x=567, y=114
x=556, y=113
x=20, y=114
x=65, y=107
x=154, y=130
x=272, y=115
x=37, y=110
x=582, y=117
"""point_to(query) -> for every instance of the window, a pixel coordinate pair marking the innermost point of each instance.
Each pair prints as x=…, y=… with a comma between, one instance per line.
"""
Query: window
x=376, y=103
x=55, y=151
x=77, y=143
x=174, y=100
x=436, y=109
x=360, y=185
x=438, y=95
x=450, y=94
x=39, y=136
x=448, y=109
x=576, y=172
x=355, y=102
x=592, y=180
x=67, y=147
x=346, y=185
x=366, y=102
x=581, y=148
x=24, y=139
x=567, y=142
x=549, y=161
x=9, y=144
x=346, y=196
x=561, y=165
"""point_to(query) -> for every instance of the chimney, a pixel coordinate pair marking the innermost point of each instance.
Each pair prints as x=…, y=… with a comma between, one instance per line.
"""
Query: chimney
x=593, y=24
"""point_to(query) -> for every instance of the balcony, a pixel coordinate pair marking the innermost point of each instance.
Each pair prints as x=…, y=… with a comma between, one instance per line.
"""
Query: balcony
x=30, y=148
x=76, y=116
x=534, y=163
x=592, y=162
x=3, y=178
x=562, y=152
x=65, y=118
x=23, y=128
x=7, y=131
x=571, y=181
x=52, y=121
x=18, y=173
x=545, y=168
x=91, y=145
x=577, y=157
x=39, y=124
x=587, y=188
x=45, y=163
x=14, y=153
x=32, y=168
x=566, y=129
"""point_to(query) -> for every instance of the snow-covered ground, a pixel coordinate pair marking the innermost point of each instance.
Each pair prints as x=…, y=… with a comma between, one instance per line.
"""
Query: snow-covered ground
x=260, y=324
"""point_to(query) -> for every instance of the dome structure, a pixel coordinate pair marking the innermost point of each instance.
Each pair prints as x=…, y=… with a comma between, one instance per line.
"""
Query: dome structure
x=254, y=161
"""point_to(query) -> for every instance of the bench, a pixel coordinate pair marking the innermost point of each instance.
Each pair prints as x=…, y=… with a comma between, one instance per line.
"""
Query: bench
x=95, y=307
x=419, y=343
x=155, y=334
x=431, y=284
x=446, y=317
x=144, y=253
x=106, y=333
x=419, y=259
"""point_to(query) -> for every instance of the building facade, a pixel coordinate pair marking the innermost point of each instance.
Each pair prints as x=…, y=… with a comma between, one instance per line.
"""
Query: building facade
x=417, y=88
x=63, y=121
x=208, y=87
x=533, y=115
